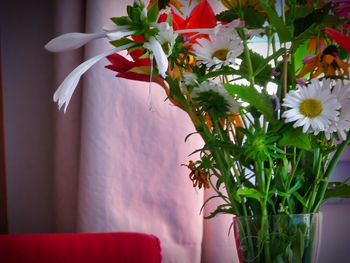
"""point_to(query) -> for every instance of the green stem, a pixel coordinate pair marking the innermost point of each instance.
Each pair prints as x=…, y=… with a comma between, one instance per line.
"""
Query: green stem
x=329, y=170
x=291, y=177
x=315, y=184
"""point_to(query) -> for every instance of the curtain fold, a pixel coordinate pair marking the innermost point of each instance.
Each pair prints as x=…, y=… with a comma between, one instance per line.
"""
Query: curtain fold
x=69, y=17
x=119, y=150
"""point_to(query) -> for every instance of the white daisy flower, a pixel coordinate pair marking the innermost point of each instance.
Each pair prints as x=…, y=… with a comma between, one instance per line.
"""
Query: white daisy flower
x=312, y=107
x=342, y=126
x=220, y=50
x=166, y=37
x=229, y=28
x=207, y=86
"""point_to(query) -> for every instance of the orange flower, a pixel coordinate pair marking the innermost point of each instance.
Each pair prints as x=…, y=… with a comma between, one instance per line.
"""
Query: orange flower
x=198, y=177
x=316, y=44
x=327, y=62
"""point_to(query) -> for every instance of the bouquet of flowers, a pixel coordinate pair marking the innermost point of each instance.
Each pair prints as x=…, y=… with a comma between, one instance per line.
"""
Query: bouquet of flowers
x=274, y=124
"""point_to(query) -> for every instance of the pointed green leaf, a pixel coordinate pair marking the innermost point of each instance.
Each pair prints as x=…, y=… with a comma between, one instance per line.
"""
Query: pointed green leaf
x=121, y=42
x=250, y=193
x=337, y=190
x=153, y=13
x=121, y=21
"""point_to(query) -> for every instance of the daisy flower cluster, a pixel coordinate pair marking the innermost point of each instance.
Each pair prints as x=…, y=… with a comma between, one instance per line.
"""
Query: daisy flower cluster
x=320, y=109
x=274, y=119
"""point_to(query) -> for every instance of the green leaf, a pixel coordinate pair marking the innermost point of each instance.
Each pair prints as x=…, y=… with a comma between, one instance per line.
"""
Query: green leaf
x=283, y=31
x=262, y=102
x=304, y=36
x=252, y=18
x=315, y=18
x=121, y=42
x=300, y=198
x=221, y=209
x=296, y=138
x=250, y=193
x=265, y=62
x=227, y=15
x=152, y=13
x=121, y=21
x=262, y=70
x=337, y=190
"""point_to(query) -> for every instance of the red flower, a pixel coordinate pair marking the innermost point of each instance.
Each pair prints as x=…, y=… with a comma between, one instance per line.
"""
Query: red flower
x=339, y=37
x=202, y=16
x=135, y=69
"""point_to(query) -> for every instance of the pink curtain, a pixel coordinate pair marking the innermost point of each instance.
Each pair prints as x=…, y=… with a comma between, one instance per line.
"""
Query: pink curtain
x=119, y=151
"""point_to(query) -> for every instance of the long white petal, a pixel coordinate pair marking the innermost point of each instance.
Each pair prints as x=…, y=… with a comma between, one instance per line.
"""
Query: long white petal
x=65, y=91
x=71, y=41
x=160, y=56
x=116, y=35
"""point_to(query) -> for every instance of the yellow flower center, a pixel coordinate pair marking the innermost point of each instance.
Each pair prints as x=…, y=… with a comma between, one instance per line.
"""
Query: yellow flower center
x=220, y=54
x=165, y=47
x=311, y=107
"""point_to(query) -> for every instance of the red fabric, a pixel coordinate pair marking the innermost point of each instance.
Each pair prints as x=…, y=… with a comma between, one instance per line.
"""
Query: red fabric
x=80, y=248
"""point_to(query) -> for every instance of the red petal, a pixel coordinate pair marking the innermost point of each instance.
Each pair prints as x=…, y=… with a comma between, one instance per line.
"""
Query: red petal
x=178, y=21
x=139, y=39
x=162, y=18
x=119, y=63
x=202, y=16
x=136, y=54
x=339, y=37
x=134, y=76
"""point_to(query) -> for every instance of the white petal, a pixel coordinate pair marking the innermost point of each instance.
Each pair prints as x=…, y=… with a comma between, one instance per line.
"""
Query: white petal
x=71, y=41
x=161, y=58
x=65, y=91
x=116, y=35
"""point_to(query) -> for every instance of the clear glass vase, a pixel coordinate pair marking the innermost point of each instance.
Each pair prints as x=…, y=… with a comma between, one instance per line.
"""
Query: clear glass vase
x=278, y=238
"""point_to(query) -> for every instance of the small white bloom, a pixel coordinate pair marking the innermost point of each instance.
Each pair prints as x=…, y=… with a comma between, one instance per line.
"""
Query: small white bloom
x=312, y=107
x=342, y=126
x=166, y=37
x=220, y=50
x=228, y=28
x=65, y=91
x=190, y=78
x=161, y=59
x=218, y=88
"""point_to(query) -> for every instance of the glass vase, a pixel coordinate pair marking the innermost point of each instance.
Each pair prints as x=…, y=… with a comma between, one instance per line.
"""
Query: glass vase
x=278, y=238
